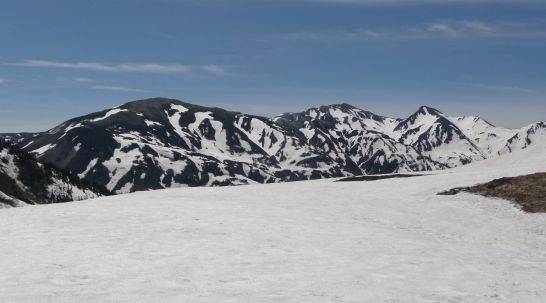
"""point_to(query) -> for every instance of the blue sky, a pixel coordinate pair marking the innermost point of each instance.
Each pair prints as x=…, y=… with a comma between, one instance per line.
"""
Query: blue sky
x=65, y=58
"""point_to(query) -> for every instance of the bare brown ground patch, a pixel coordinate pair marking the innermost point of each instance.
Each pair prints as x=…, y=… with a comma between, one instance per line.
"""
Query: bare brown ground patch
x=529, y=191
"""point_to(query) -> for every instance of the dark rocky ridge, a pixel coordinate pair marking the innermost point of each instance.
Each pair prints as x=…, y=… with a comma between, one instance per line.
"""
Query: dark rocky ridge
x=23, y=178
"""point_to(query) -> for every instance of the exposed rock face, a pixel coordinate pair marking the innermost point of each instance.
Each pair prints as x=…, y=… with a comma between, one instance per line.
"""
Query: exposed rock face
x=23, y=180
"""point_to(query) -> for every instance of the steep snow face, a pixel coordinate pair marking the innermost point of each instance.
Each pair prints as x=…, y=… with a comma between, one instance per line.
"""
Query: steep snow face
x=391, y=240
x=359, y=138
x=534, y=134
x=376, y=153
x=25, y=181
x=161, y=143
x=432, y=133
x=174, y=114
x=490, y=139
x=288, y=149
x=338, y=118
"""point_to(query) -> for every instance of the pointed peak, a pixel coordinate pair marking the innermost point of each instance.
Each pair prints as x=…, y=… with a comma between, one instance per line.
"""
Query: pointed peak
x=427, y=110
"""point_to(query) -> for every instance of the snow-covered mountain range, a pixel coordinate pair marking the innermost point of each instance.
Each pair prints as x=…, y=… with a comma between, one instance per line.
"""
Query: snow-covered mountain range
x=161, y=143
x=23, y=180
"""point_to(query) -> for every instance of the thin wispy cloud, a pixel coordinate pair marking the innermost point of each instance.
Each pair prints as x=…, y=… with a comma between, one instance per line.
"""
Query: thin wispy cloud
x=83, y=79
x=2, y=81
x=502, y=88
x=442, y=29
x=119, y=89
x=217, y=70
x=427, y=2
x=331, y=35
x=474, y=28
x=478, y=26
x=450, y=29
x=95, y=66
x=154, y=68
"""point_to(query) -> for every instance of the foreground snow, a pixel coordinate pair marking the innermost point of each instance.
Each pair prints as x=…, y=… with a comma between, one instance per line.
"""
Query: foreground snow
x=316, y=241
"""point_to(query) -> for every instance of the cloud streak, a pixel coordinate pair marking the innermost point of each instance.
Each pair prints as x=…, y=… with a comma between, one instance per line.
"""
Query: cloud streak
x=153, y=68
x=503, y=88
x=329, y=35
x=83, y=79
x=217, y=70
x=94, y=66
x=426, y=2
x=451, y=29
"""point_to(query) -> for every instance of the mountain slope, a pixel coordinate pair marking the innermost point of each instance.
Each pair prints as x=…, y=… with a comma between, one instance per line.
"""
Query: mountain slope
x=162, y=143
x=357, y=136
x=23, y=180
x=489, y=138
x=433, y=134
x=531, y=135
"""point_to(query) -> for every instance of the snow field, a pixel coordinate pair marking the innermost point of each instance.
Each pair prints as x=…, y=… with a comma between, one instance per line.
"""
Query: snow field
x=391, y=240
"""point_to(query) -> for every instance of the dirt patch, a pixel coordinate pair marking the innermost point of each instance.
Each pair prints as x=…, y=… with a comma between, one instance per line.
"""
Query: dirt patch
x=377, y=177
x=528, y=191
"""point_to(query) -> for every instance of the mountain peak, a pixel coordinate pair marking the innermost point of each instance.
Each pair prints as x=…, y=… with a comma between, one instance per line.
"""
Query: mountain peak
x=344, y=105
x=151, y=102
x=427, y=110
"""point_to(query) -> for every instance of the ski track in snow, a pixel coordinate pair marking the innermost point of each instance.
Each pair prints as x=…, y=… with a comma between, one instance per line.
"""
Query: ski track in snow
x=391, y=240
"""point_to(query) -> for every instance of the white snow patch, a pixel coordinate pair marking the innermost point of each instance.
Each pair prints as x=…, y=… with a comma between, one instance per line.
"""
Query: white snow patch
x=43, y=149
x=91, y=164
x=175, y=119
x=152, y=123
x=77, y=147
x=108, y=114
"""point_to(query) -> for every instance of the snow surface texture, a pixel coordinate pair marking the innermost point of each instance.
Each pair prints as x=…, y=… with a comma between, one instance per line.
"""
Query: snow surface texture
x=391, y=240
x=164, y=143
